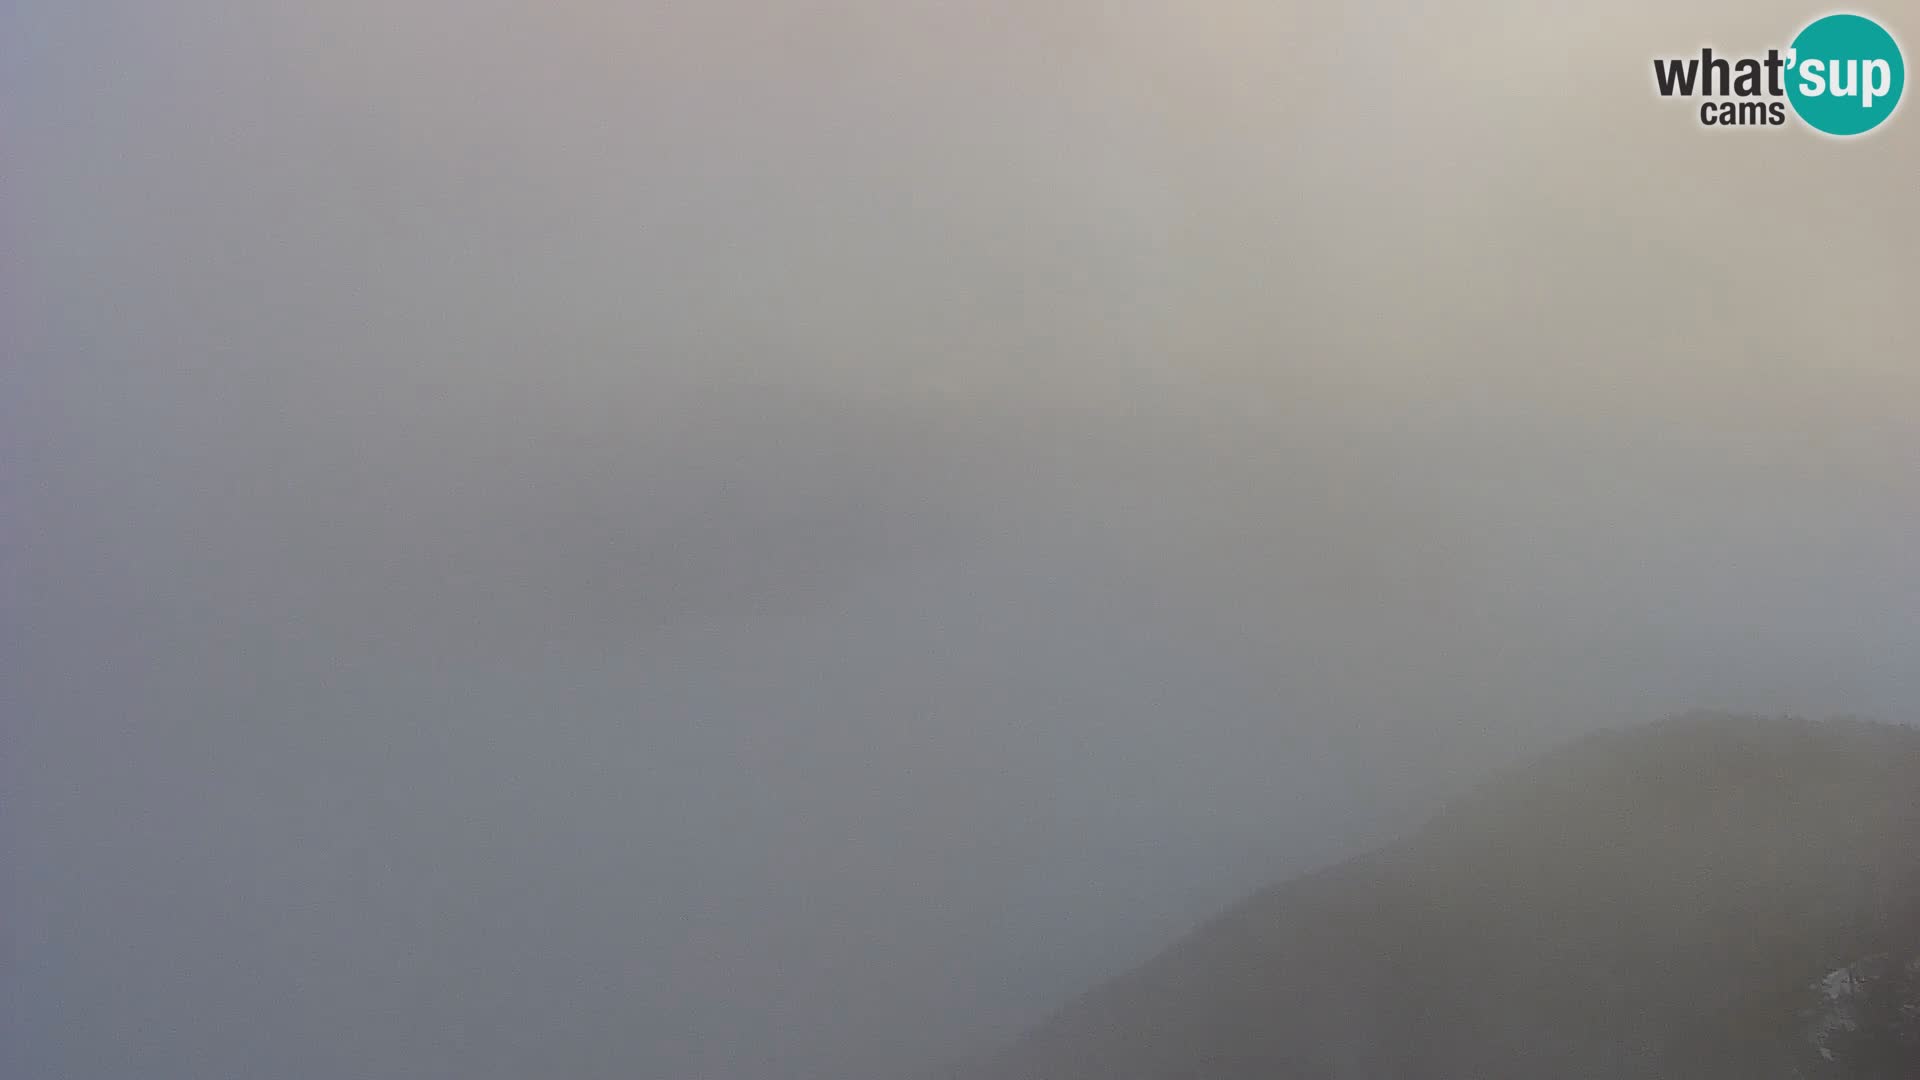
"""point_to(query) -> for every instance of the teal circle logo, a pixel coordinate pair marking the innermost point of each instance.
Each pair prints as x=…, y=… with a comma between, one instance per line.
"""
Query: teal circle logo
x=1845, y=74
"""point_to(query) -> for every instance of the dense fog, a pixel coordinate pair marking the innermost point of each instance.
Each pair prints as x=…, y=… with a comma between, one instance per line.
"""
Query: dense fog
x=766, y=540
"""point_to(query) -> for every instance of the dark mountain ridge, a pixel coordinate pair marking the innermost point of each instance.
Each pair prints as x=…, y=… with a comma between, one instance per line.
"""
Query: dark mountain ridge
x=1657, y=902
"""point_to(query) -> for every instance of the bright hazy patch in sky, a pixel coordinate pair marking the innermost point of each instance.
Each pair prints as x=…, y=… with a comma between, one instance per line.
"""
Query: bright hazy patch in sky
x=774, y=540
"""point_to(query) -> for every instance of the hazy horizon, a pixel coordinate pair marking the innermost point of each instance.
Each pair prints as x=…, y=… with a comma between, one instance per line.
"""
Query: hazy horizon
x=785, y=540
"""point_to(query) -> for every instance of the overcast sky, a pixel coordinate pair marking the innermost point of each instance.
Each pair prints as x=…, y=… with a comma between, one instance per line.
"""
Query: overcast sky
x=773, y=540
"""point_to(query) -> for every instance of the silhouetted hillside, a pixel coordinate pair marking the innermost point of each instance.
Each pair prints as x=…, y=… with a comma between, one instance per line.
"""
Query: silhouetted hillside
x=1679, y=900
